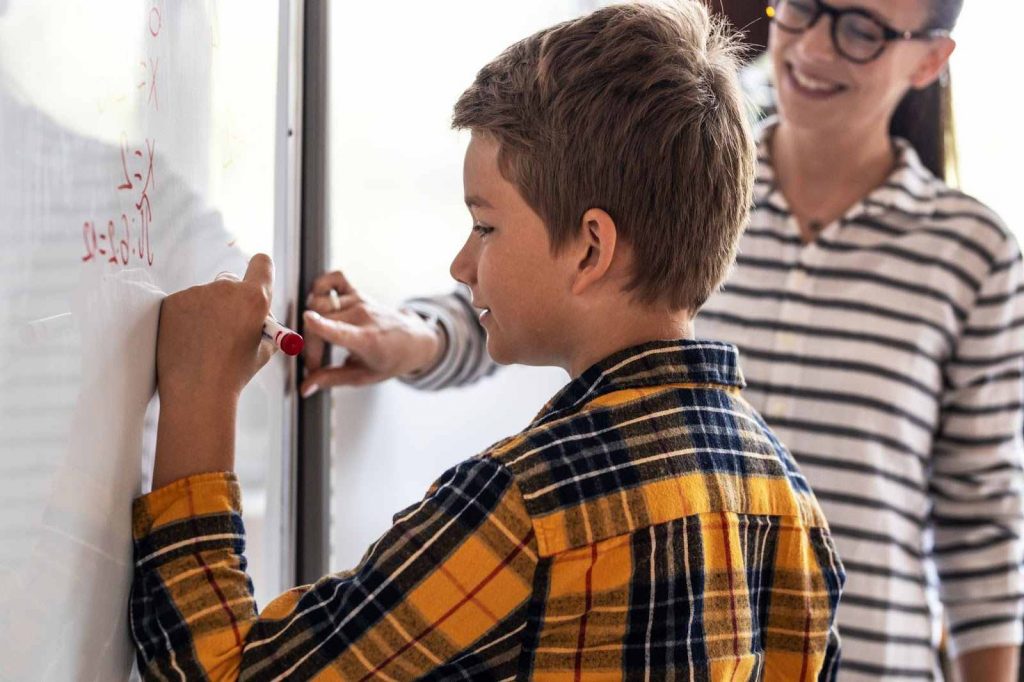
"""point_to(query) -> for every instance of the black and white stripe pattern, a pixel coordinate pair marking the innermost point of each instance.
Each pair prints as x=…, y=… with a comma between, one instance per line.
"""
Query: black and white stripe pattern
x=887, y=355
x=465, y=360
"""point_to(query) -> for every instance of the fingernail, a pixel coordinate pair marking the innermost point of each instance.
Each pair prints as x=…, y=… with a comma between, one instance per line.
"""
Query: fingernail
x=310, y=390
x=312, y=315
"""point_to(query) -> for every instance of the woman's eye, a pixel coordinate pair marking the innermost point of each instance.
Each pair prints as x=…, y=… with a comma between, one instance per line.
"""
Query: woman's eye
x=862, y=36
x=482, y=230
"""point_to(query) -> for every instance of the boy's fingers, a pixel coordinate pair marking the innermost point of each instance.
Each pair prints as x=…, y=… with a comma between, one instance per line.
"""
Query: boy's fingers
x=261, y=272
x=266, y=351
x=332, y=281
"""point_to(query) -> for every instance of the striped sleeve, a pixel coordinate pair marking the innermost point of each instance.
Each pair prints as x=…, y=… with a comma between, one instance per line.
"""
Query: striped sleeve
x=465, y=359
x=976, y=478
x=443, y=590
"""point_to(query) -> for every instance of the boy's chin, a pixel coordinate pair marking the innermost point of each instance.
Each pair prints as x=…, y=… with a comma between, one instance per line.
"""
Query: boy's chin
x=510, y=354
x=501, y=354
x=504, y=354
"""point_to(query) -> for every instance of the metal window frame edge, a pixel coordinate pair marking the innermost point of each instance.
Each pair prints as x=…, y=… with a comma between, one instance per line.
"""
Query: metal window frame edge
x=311, y=479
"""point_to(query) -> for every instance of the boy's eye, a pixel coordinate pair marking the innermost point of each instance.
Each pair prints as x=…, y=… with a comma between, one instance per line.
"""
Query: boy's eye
x=482, y=230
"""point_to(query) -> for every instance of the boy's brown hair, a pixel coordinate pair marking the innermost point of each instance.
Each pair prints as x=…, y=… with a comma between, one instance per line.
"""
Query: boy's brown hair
x=634, y=109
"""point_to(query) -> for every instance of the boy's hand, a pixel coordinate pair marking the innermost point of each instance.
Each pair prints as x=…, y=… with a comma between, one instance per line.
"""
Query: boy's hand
x=210, y=345
x=211, y=336
x=383, y=342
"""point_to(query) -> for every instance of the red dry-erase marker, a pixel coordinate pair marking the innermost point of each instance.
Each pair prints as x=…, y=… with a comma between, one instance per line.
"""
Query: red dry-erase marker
x=283, y=337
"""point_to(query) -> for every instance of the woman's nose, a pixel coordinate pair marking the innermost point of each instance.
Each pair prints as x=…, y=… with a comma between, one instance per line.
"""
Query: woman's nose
x=816, y=42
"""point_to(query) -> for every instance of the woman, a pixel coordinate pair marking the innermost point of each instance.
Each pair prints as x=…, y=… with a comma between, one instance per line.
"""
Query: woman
x=873, y=307
x=879, y=316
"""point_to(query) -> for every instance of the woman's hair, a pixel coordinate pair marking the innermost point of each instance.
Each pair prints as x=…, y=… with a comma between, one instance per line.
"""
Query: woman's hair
x=925, y=117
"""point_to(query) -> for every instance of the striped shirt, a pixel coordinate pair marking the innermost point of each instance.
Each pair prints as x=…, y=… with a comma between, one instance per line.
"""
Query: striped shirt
x=646, y=524
x=887, y=356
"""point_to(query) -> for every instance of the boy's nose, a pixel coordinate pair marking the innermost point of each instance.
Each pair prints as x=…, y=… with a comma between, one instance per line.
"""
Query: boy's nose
x=463, y=267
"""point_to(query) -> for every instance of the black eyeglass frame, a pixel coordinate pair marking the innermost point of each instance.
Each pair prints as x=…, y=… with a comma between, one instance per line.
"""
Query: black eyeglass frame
x=889, y=34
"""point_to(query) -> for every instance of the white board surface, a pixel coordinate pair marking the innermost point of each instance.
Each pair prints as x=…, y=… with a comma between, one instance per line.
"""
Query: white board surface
x=139, y=150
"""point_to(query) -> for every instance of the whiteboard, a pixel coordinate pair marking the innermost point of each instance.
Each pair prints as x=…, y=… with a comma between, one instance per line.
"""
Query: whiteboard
x=145, y=148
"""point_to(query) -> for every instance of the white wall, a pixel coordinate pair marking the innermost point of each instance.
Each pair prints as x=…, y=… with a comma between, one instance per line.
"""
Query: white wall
x=987, y=69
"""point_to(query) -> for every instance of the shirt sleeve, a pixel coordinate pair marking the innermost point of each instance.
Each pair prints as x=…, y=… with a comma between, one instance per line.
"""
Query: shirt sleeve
x=465, y=359
x=976, y=482
x=452, y=577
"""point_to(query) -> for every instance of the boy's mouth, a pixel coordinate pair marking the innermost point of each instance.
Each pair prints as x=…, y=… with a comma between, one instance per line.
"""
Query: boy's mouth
x=481, y=311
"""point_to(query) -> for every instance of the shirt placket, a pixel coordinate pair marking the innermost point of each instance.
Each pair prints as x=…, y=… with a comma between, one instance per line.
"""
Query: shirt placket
x=799, y=286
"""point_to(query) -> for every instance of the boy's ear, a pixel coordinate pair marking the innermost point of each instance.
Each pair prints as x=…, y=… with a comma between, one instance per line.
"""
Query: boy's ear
x=596, y=248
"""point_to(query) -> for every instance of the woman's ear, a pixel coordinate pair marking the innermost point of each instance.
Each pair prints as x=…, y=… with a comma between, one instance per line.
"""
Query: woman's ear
x=598, y=237
x=935, y=62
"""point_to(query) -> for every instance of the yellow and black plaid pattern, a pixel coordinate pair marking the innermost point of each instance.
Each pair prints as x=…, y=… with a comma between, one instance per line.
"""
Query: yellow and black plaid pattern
x=646, y=525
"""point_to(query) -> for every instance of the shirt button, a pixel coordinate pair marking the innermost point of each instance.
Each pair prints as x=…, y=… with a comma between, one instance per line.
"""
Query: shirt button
x=798, y=279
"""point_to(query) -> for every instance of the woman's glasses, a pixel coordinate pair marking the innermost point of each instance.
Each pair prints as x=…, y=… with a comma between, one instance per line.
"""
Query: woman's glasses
x=856, y=34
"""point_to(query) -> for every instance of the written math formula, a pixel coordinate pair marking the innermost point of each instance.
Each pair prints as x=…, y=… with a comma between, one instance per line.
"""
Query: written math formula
x=125, y=239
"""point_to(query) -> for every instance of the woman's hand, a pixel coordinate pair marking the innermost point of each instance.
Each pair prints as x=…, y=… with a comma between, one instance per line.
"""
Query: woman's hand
x=383, y=342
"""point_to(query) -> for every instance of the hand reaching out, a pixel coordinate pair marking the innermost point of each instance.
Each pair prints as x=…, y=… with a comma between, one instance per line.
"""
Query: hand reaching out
x=383, y=342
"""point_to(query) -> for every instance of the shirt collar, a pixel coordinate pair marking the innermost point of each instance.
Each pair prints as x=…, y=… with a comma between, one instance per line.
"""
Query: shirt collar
x=910, y=187
x=655, y=363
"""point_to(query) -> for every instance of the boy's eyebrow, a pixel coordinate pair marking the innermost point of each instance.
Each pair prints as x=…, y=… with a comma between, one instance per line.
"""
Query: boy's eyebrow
x=474, y=200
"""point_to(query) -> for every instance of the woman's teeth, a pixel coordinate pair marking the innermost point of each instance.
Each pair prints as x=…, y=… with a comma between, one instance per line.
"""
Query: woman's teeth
x=813, y=84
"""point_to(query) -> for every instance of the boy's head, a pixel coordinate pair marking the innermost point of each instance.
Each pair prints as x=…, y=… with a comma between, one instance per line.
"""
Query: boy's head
x=610, y=162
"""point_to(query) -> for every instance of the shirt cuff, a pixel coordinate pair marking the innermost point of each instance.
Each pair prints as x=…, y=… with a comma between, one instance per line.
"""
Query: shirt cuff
x=1006, y=634
x=431, y=378
x=202, y=495
x=994, y=627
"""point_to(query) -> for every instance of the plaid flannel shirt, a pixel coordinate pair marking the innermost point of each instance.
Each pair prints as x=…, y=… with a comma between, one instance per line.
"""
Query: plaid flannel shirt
x=646, y=524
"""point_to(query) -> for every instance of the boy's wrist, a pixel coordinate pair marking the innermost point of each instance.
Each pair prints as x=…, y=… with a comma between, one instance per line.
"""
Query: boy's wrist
x=194, y=436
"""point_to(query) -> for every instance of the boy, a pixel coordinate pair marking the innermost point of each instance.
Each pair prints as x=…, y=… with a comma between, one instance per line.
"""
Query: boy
x=645, y=524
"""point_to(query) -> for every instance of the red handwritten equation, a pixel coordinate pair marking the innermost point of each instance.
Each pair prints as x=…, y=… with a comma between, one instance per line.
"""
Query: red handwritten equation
x=126, y=238
x=149, y=67
x=116, y=243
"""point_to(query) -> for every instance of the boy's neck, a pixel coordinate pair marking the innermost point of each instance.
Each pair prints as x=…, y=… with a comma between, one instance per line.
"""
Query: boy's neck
x=606, y=335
